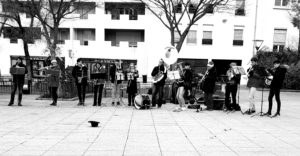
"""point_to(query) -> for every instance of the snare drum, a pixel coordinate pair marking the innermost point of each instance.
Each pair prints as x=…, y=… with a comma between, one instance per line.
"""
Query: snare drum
x=142, y=101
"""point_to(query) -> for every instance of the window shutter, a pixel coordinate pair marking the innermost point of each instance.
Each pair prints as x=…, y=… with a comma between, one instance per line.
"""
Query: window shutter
x=238, y=34
x=279, y=36
x=207, y=34
x=192, y=37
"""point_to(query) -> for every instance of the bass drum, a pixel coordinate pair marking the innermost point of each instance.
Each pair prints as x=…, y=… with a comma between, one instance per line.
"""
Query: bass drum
x=142, y=101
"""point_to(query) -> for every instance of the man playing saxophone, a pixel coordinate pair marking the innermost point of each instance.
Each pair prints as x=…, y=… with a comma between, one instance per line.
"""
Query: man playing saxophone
x=278, y=73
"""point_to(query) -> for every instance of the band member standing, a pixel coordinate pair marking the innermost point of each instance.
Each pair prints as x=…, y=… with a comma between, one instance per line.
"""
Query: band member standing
x=231, y=86
x=184, y=85
x=278, y=73
x=80, y=75
x=208, y=83
x=99, y=83
x=18, y=82
x=132, y=75
x=253, y=83
x=53, y=80
x=116, y=78
x=158, y=71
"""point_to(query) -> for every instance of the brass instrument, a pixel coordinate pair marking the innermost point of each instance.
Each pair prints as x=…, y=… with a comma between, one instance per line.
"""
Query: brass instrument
x=169, y=57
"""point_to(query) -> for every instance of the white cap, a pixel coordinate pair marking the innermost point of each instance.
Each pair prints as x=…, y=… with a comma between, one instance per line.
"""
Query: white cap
x=53, y=61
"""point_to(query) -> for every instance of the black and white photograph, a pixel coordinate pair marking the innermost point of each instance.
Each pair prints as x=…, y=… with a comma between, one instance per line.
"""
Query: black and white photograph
x=149, y=77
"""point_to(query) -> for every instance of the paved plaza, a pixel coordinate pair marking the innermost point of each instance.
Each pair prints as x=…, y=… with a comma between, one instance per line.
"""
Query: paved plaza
x=38, y=129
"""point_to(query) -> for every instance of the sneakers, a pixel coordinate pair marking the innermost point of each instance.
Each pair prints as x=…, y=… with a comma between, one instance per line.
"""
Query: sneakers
x=19, y=104
x=275, y=115
x=249, y=112
x=118, y=103
x=10, y=104
x=267, y=114
x=113, y=103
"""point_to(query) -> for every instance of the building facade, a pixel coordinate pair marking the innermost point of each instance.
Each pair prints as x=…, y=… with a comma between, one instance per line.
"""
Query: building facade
x=131, y=32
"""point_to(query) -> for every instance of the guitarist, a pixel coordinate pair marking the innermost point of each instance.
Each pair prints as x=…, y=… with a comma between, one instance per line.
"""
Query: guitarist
x=158, y=71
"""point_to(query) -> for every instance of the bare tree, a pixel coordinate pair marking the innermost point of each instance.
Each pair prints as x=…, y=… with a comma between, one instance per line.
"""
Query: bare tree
x=51, y=13
x=12, y=26
x=172, y=13
x=295, y=20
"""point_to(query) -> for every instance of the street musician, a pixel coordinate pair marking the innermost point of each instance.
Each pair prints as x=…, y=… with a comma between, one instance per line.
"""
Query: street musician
x=160, y=74
x=80, y=75
x=131, y=76
x=278, y=73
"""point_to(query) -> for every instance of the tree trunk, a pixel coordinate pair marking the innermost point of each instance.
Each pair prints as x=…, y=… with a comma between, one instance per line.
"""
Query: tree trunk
x=299, y=43
x=28, y=64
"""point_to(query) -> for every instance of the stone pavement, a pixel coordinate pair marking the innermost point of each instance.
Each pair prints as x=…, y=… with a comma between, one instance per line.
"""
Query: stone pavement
x=38, y=129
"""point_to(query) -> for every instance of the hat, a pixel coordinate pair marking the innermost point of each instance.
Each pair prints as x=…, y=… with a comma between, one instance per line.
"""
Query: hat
x=276, y=62
x=254, y=59
x=210, y=64
x=53, y=61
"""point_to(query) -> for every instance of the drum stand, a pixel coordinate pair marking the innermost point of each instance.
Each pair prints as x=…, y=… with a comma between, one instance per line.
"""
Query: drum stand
x=261, y=104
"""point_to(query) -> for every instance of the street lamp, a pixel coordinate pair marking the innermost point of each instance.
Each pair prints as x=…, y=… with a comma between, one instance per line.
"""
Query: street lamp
x=257, y=44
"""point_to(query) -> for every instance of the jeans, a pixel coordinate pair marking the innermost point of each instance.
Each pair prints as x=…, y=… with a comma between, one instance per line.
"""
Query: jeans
x=116, y=91
x=208, y=99
x=252, y=91
x=81, y=92
x=14, y=89
x=275, y=92
x=131, y=97
x=98, y=88
x=157, y=89
x=53, y=91
x=230, y=89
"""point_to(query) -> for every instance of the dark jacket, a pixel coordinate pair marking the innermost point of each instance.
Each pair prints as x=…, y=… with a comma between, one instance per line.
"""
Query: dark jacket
x=209, y=81
x=20, y=78
x=235, y=80
x=278, y=77
x=132, y=84
x=112, y=74
x=254, y=77
x=53, y=79
x=187, y=80
x=80, y=72
x=156, y=70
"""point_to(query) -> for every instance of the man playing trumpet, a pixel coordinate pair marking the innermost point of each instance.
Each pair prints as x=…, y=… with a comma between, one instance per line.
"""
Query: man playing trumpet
x=278, y=74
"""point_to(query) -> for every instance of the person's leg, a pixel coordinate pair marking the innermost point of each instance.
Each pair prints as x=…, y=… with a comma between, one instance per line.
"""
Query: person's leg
x=20, y=90
x=54, y=95
x=154, y=94
x=251, y=98
x=227, y=97
x=177, y=96
x=100, y=94
x=13, y=92
x=277, y=97
x=270, y=99
x=83, y=93
x=181, y=93
x=118, y=92
x=233, y=94
x=113, y=95
x=79, y=93
x=210, y=101
x=95, y=94
x=132, y=98
x=160, y=95
x=129, y=99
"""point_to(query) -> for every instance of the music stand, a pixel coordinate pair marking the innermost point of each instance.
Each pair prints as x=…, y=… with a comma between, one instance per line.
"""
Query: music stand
x=263, y=73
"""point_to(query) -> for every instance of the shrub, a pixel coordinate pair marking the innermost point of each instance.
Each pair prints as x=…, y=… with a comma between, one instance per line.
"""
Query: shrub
x=287, y=57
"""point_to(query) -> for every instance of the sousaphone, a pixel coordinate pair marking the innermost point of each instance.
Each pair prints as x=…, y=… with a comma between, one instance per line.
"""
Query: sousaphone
x=169, y=57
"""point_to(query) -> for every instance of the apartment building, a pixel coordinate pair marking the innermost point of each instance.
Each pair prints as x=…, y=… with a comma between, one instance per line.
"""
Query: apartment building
x=126, y=30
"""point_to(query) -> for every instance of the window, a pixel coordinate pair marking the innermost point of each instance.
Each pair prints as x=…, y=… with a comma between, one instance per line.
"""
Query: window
x=279, y=39
x=281, y=2
x=84, y=9
x=210, y=9
x=176, y=37
x=178, y=8
x=240, y=8
x=63, y=34
x=207, y=38
x=192, y=37
x=118, y=8
x=85, y=35
x=238, y=37
x=192, y=8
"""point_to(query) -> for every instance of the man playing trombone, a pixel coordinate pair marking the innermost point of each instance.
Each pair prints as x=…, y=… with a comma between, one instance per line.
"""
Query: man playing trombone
x=278, y=74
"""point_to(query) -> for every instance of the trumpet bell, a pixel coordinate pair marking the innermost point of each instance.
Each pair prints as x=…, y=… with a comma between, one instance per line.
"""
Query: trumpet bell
x=170, y=55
